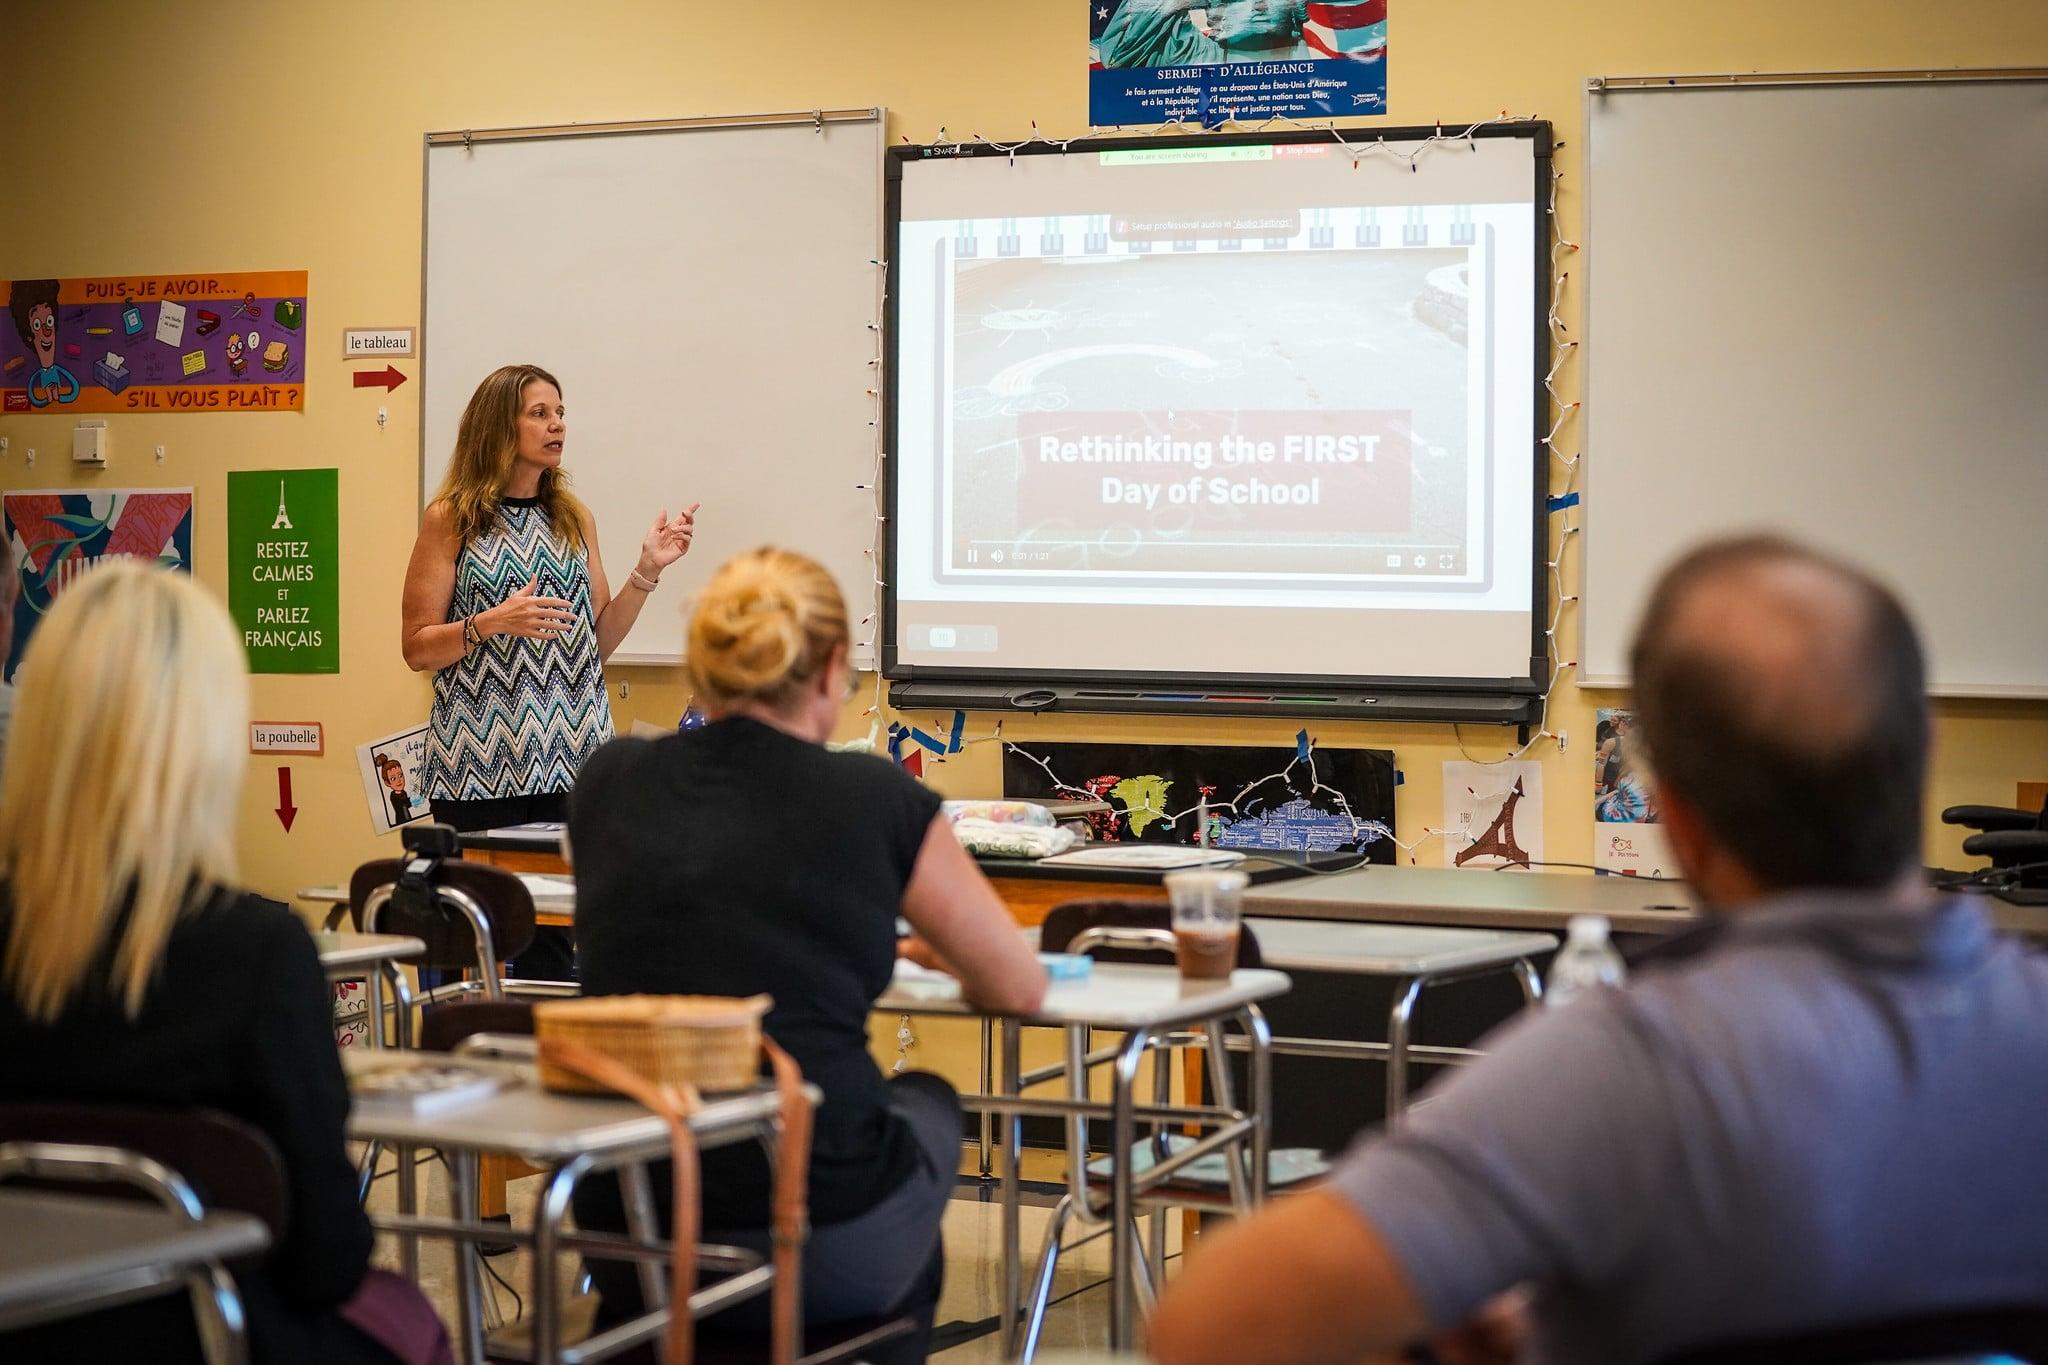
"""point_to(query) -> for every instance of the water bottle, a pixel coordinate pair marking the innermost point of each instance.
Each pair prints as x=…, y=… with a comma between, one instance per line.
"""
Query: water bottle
x=1587, y=960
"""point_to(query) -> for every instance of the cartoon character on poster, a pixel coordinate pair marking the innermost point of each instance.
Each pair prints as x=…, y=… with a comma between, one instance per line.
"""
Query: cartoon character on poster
x=58, y=535
x=238, y=358
x=391, y=772
x=33, y=305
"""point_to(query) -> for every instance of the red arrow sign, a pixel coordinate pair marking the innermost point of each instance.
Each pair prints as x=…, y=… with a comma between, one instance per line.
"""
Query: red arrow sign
x=286, y=811
x=386, y=378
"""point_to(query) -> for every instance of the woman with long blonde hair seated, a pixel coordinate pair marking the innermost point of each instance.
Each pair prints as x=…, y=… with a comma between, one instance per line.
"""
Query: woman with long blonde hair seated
x=135, y=973
x=744, y=858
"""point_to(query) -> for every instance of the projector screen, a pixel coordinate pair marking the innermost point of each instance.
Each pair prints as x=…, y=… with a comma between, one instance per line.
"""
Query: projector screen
x=1217, y=408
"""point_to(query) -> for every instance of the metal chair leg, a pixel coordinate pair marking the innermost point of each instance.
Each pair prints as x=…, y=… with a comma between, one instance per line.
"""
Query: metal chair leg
x=988, y=1120
x=366, y=1170
x=223, y=1333
x=1399, y=1018
x=1143, y=1282
x=1041, y=1283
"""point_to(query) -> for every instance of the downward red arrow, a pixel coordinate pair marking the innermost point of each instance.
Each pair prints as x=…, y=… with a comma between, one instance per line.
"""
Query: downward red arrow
x=286, y=811
x=386, y=378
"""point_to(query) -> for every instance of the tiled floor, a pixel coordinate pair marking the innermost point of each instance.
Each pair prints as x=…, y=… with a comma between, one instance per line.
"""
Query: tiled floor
x=973, y=1233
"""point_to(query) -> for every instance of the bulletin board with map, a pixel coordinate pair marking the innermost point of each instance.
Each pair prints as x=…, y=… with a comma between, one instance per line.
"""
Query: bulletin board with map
x=1305, y=798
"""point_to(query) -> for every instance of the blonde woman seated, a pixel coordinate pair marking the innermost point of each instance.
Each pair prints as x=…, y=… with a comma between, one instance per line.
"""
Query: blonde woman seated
x=745, y=857
x=136, y=973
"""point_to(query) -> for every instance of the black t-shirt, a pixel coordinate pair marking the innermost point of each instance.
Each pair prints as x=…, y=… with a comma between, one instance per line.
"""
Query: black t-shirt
x=240, y=1018
x=736, y=859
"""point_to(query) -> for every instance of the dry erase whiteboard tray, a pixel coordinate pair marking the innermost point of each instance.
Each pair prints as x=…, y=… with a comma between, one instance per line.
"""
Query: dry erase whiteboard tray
x=1149, y=857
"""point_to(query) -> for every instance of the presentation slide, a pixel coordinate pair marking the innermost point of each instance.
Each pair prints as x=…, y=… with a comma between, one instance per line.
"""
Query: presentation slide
x=1232, y=409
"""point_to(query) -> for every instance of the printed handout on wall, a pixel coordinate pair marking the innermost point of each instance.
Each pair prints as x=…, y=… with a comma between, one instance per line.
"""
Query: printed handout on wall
x=230, y=342
x=393, y=783
x=58, y=534
x=1163, y=61
x=1626, y=833
x=1493, y=814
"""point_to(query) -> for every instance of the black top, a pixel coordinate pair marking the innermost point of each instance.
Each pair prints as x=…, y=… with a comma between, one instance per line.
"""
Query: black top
x=736, y=859
x=240, y=1018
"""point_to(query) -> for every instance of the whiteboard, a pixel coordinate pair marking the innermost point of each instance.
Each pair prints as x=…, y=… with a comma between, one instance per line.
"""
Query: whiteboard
x=707, y=293
x=1823, y=310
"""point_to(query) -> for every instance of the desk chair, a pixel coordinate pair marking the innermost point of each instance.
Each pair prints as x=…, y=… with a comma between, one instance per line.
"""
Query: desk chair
x=2016, y=842
x=1141, y=931
x=1965, y=1335
x=188, y=1161
x=499, y=1028
x=472, y=917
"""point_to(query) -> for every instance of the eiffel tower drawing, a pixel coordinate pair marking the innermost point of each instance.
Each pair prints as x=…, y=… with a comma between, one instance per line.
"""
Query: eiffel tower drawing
x=284, y=518
x=1498, y=840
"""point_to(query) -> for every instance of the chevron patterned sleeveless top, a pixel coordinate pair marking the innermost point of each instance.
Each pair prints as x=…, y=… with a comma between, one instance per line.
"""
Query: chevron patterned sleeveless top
x=517, y=717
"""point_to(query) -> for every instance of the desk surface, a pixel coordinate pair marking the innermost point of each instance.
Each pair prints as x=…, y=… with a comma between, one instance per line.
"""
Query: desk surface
x=1259, y=865
x=55, y=1245
x=1119, y=996
x=345, y=951
x=1390, y=949
x=1465, y=898
x=547, y=1127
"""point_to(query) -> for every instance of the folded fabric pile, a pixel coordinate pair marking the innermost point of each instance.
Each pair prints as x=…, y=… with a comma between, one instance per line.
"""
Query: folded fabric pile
x=994, y=839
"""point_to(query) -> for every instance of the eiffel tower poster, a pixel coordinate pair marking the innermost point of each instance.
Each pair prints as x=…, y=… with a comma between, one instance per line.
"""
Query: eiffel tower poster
x=1493, y=814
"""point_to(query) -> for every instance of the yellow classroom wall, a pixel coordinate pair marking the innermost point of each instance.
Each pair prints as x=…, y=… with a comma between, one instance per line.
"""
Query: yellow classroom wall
x=159, y=136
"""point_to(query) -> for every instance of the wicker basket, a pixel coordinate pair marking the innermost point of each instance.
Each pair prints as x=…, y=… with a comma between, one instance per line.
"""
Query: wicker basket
x=710, y=1041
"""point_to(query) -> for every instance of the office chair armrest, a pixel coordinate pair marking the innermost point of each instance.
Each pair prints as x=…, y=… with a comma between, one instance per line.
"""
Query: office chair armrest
x=2009, y=847
x=1990, y=817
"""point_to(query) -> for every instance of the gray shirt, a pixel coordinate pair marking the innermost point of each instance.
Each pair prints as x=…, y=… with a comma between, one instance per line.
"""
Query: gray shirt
x=1832, y=1113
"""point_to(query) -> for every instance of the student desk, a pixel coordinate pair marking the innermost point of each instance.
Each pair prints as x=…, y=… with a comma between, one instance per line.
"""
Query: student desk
x=568, y=1137
x=554, y=898
x=518, y=848
x=1031, y=889
x=1468, y=898
x=1141, y=1003
x=373, y=958
x=63, y=1255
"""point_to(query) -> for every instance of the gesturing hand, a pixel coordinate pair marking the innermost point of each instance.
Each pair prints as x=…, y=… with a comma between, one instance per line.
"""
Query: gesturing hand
x=668, y=541
x=529, y=615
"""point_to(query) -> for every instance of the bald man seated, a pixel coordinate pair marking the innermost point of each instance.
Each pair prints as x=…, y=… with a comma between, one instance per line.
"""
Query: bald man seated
x=1823, y=1109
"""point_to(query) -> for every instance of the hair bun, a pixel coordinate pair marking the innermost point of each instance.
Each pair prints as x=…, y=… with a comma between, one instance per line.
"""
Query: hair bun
x=765, y=622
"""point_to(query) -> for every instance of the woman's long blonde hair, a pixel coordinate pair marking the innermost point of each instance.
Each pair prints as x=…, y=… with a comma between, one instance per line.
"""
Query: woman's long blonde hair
x=124, y=771
x=763, y=626
x=485, y=446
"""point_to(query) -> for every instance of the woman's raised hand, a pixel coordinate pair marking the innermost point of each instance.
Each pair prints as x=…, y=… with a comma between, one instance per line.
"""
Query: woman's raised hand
x=528, y=615
x=668, y=541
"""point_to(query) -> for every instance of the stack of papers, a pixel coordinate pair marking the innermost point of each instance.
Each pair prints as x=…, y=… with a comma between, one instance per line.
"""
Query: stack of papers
x=1148, y=857
x=404, y=1088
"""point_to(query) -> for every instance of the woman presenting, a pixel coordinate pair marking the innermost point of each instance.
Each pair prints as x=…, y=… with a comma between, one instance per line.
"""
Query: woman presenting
x=506, y=602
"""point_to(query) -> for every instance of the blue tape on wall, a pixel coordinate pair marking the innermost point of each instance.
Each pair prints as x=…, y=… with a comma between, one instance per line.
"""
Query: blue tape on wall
x=1562, y=501
x=1301, y=745
x=959, y=727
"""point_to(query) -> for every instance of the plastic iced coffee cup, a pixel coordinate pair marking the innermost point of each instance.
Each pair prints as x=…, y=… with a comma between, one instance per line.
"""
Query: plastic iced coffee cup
x=1207, y=906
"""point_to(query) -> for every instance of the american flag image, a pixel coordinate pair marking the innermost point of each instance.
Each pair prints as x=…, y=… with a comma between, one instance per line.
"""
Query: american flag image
x=1351, y=31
